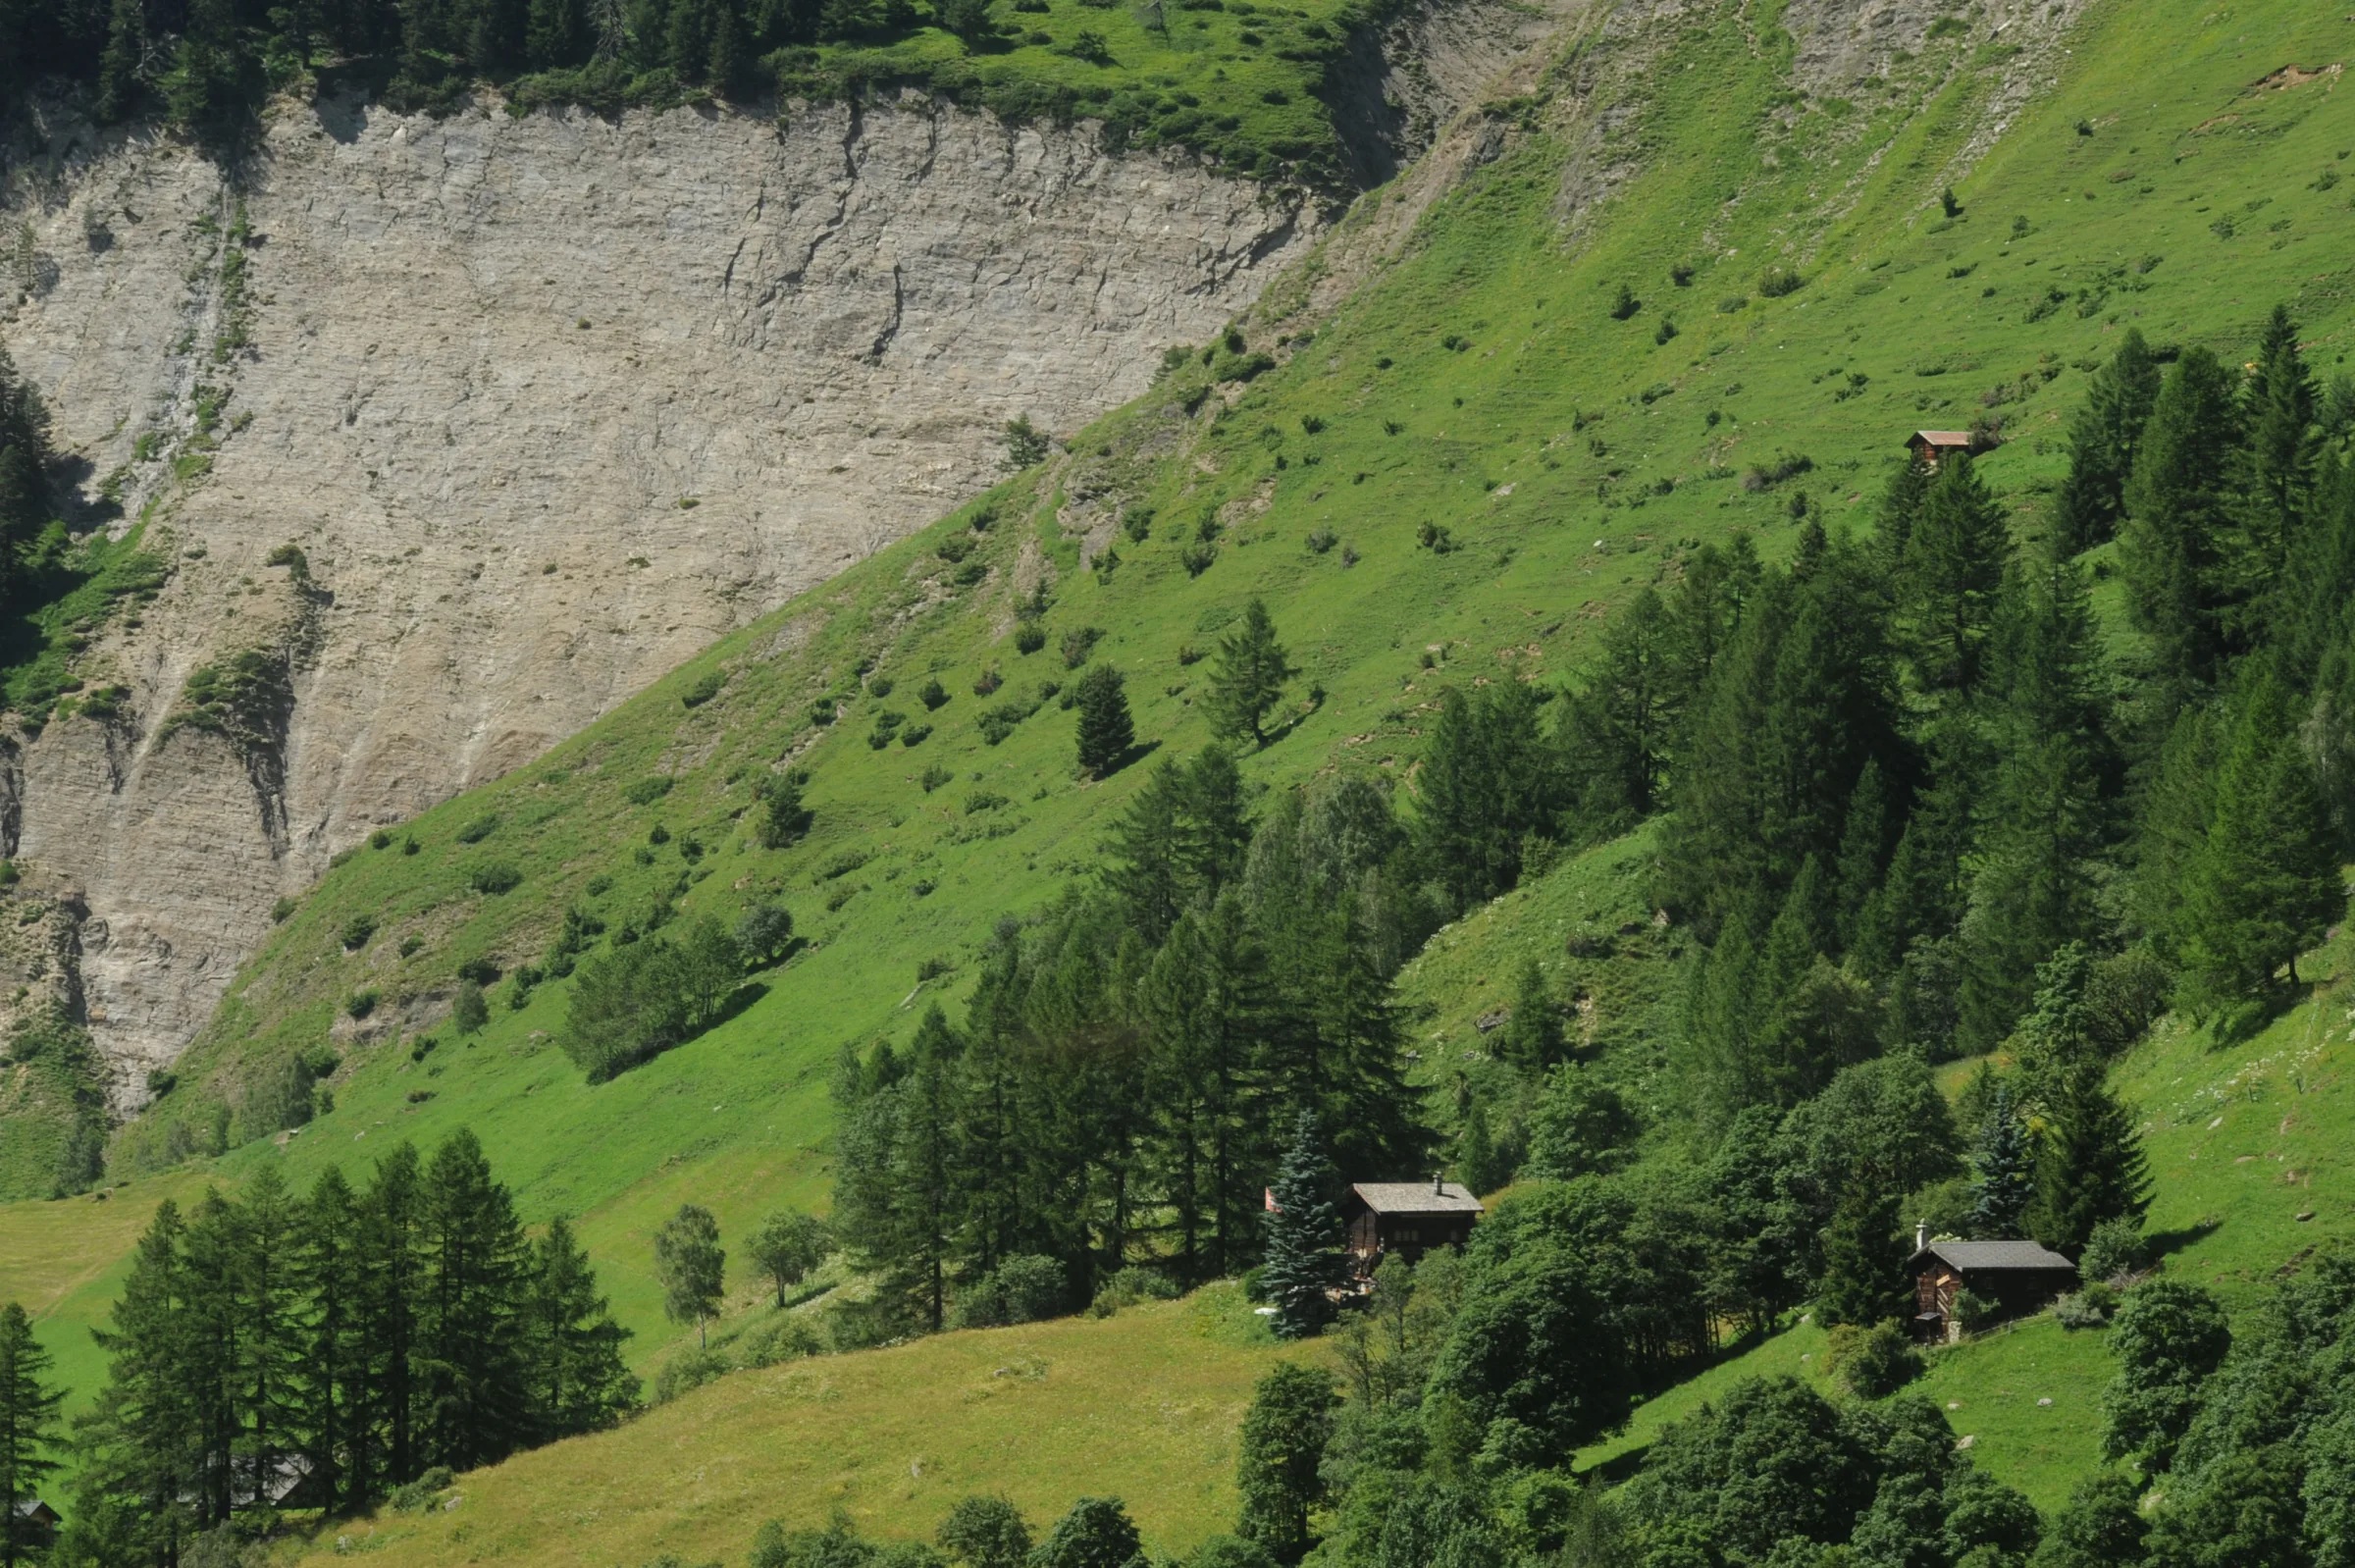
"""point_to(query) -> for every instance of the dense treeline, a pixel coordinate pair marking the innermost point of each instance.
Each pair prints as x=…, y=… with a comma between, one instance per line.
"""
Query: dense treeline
x=323, y=1351
x=1133, y=1059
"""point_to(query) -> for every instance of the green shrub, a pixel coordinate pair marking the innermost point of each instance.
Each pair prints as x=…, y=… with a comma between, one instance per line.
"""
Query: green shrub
x=420, y=1495
x=362, y=1003
x=1779, y=282
x=379, y=840
x=1133, y=1286
x=280, y=912
x=914, y=735
x=783, y=1337
x=492, y=877
x=933, y=695
x=1873, y=1363
x=688, y=1371
x=2115, y=1249
x=1029, y=638
x=480, y=828
x=1022, y=1289
x=1079, y=644
x=784, y=819
x=934, y=777
x=706, y=688
x=647, y=790
x=2089, y=1308
x=470, y=1012
x=356, y=932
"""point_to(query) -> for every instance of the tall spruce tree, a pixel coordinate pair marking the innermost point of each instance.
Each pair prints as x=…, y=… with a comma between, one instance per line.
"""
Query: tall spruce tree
x=2265, y=882
x=1532, y=1037
x=1304, y=1258
x=1955, y=566
x=2283, y=448
x=27, y=1432
x=1621, y=727
x=2003, y=1171
x=1106, y=731
x=271, y=1304
x=918, y=1248
x=1248, y=679
x=2104, y=438
x=2180, y=530
x=385, y=1453
x=1863, y=1259
x=1487, y=787
x=2092, y=1167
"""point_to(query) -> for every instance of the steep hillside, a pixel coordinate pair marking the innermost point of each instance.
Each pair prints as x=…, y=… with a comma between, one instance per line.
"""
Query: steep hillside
x=1452, y=480
x=897, y=1435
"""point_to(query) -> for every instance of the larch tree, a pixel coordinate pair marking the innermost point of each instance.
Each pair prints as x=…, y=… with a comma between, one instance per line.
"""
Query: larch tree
x=1106, y=731
x=1280, y=1452
x=1248, y=679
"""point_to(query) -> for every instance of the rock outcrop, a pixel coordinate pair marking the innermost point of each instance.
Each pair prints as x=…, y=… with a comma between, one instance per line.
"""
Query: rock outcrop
x=544, y=404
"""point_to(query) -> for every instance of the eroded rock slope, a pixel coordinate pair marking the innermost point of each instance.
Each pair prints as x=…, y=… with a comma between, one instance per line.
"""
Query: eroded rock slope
x=544, y=404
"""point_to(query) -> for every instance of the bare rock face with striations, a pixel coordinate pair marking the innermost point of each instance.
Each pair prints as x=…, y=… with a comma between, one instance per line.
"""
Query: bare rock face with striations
x=541, y=405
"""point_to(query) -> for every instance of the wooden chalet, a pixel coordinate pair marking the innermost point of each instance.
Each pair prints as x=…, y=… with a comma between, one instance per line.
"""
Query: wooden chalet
x=1406, y=1217
x=1929, y=445
x=2011, y=1276
x=40, y=1520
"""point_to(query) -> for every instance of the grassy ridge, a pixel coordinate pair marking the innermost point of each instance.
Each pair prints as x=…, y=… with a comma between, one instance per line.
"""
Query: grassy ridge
x=1478, y=385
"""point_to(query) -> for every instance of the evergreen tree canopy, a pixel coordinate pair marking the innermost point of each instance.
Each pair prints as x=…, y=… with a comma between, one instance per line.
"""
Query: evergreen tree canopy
x=1956, y=558
x=1304, y=1257
x=2104, y=438
x=2092, y=1167
x=2179, y=532
x=1106, y=731
x=1280, y=1451
x=28, y=1430
x=1248, y=678
x=2003, y=1173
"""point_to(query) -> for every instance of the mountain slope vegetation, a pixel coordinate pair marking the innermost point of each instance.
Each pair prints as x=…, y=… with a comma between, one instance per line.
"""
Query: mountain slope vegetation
x=1676, y=300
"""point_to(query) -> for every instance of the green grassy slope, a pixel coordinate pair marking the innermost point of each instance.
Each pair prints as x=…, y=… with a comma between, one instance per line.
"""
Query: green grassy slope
x=1143, y=1406
x=1476, y=383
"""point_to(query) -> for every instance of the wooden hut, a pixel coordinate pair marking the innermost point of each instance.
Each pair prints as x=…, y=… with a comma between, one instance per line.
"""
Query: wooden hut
x=1406, y=1217
x=1929, y=445
x=2011, y=1276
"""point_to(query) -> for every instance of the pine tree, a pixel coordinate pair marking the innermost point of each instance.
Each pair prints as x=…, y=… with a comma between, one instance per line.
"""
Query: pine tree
x=28, y=1422
x=688, y=1261
x=1865, y=852
x=555, y=33
x=2265, y=882
x=1622, y=723
x=271, y=1307
x=385, y=1446
x=1106, y=731
x=920, y=1244
x=143, y=1450
x=1488, y=784
x=2180, y=528
x=1532, y=1037
x=2172, y=834
x=1901, y=509
x=1478, y=1164
x=1954, y=564
x=1862, y=1260
x=578, y=1381
x=470, y=1321
x=1280, y=1450
x=2042, y=844
x=2282, y=448
x=2092, y=1167
x=333, y=1362
x=1249, y=677
x=2104, y=438
x=1304, y=1234
x=2003, y=1173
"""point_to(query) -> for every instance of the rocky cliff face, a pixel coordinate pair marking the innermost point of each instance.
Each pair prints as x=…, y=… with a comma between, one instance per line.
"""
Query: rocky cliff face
x=543, y=405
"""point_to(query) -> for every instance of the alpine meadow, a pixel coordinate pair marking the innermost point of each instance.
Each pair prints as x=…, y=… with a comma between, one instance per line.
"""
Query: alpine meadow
x=1644, y=865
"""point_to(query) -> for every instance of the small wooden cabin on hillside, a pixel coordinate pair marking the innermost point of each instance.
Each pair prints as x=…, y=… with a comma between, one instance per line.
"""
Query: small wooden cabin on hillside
x=2011, y=1276
x=1929, y=445
x=1406, y=1217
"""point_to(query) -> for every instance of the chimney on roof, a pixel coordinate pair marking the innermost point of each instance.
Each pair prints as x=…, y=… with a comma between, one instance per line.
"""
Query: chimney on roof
x=1921, y=1235
x=1439, y=1186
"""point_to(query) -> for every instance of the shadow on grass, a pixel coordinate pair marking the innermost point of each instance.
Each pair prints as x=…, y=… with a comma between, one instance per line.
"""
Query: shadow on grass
x=2167, y=1243
x=2239, y=1023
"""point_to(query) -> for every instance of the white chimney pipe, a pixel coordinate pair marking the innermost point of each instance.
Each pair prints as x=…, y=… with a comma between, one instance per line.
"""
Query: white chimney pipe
x=1921, y=1235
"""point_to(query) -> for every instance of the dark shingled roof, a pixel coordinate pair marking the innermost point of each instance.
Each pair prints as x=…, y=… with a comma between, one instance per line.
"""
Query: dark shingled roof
x=1417, y=1197
x=1970, y=1256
